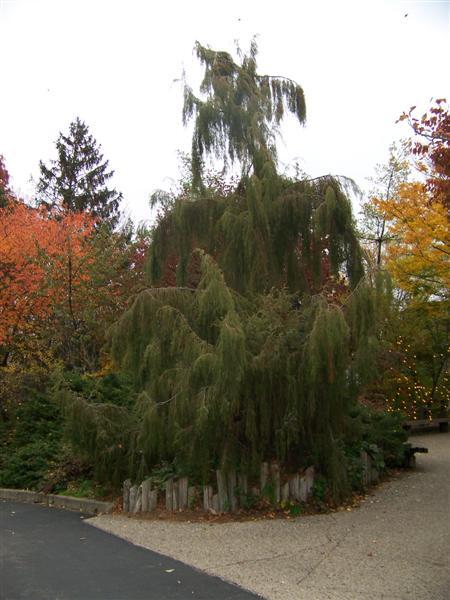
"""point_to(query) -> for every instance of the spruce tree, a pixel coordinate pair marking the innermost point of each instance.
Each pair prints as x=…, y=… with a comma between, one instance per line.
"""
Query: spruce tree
x=78, y=179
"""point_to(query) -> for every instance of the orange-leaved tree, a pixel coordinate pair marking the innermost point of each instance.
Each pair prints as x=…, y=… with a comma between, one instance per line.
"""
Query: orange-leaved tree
x=35, y=249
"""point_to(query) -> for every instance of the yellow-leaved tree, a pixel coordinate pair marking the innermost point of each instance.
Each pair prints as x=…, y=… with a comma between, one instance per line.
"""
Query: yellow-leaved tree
x=418, y=257
x=417, y=254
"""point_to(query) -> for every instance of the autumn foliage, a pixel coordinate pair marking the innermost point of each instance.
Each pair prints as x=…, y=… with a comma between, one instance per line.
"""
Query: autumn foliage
x=417, y=214
x=35, y=249
x=419, y=256
x=431, y=146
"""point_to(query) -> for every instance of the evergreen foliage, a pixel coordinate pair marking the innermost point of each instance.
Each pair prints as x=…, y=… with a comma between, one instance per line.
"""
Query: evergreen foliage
x=229, y=380
x=267, y=233
x=77, y=180
x=31, y=437
x=260, y=350
x=241, y=112
x=99, y=421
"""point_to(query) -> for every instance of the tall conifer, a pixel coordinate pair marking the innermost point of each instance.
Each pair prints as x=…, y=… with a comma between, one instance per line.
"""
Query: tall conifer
x=78, y=179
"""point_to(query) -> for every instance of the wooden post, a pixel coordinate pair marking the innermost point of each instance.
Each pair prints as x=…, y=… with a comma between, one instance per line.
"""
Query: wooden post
x=243, y=488
x=126, y=495
x=232, y=490
x=133, y=497
x=224, y=503
x=285, y=492
x=207, y=497
x=183, y=493
x=303, y=489
x=146, y=488
x=138, y=504
x=215, y=505
x=169, y=494
x=176, y=496
x=276, y=480
x=264, y=476
x=309, y=475
x=294, y=487
x=152, y=500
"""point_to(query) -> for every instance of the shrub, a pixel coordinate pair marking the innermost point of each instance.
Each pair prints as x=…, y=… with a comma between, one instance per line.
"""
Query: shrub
x=30, y=440
x=378, y=433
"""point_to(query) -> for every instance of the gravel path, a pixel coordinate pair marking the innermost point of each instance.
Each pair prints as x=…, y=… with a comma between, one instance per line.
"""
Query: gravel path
x=395, y=546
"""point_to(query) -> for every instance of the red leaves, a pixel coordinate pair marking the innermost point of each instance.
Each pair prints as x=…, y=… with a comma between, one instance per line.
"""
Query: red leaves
x=432, y=145
x=34, y=247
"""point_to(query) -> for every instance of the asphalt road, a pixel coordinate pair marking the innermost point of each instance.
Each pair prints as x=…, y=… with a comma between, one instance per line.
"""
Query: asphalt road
x=51, y=554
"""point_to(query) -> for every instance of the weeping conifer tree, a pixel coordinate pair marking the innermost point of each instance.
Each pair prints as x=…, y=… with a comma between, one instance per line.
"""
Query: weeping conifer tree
x=258, y=350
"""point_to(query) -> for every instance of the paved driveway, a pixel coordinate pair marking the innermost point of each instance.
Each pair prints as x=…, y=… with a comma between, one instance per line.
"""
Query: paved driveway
x=50, y=554
x=395, y=546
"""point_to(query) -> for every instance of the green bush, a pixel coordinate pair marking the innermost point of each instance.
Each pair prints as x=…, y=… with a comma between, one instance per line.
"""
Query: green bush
x=378, y=433
x=99, y=424
x=30, y=441
x=386, y=432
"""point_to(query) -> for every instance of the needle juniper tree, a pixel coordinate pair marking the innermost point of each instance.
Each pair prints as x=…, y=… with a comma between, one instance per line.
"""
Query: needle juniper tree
x=259, y=349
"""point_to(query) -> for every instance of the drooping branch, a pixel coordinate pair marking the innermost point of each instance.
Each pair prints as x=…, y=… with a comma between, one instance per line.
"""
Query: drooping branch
x=238, y=119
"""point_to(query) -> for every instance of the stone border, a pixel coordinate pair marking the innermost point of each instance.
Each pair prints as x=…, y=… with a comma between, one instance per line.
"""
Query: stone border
x=86, y=505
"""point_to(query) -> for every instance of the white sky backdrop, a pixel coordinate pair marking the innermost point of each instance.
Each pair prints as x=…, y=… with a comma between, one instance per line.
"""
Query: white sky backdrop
x=114, y=64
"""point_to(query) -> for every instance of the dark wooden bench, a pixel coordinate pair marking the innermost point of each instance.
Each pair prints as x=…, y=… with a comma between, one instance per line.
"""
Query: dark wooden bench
x=440, y=423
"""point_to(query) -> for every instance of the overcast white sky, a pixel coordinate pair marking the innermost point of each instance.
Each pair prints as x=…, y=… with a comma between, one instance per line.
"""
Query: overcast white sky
x=114, y=64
